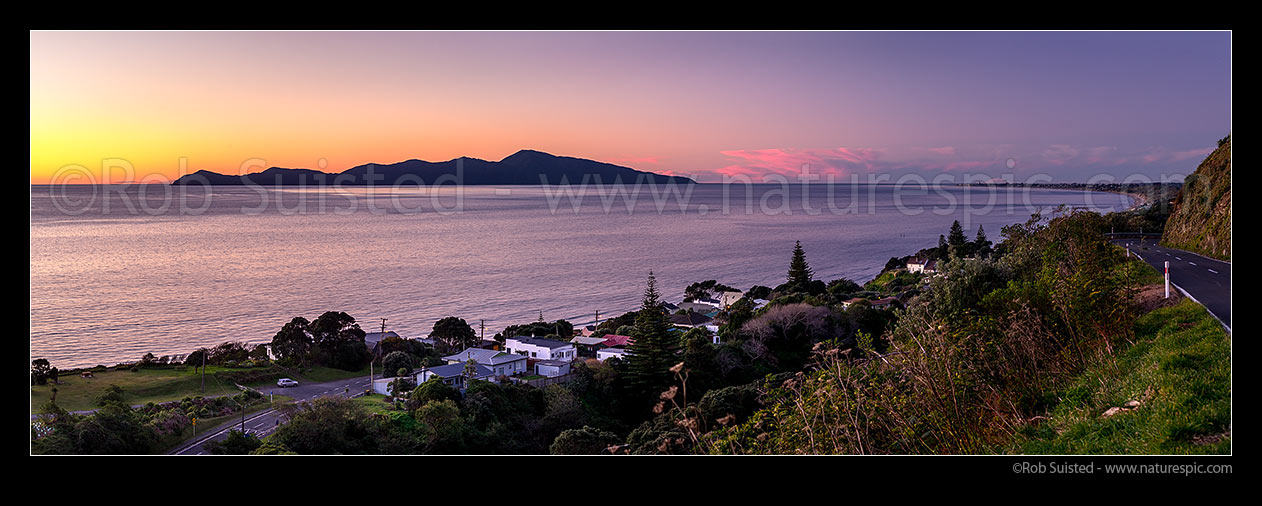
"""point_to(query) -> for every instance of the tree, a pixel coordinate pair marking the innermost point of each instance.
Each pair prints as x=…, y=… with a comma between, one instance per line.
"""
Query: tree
x=981, y=245
x=452, y=334
x=705, y=290
x=655, y=349
x=441, y=428
x=585, y=441
x=39, y=371
x=396, y=361
x=432, y=390
x=799, y=272
x=957, y=243
x=196, y=358
x=339, y=342
x=237, y=443
x=292, y=344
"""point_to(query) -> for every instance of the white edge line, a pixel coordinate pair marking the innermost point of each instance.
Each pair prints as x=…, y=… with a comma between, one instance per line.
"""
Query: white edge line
x=1211, y=313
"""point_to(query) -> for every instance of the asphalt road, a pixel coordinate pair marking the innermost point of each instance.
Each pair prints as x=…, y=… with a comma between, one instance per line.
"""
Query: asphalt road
x=1206, y=280
x=265, y=422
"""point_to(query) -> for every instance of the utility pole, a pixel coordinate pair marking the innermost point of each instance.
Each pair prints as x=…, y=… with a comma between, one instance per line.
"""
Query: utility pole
x=374, y=354
x=203, y=350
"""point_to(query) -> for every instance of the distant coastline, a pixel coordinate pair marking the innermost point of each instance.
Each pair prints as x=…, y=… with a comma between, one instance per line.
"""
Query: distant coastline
x=1142, y=194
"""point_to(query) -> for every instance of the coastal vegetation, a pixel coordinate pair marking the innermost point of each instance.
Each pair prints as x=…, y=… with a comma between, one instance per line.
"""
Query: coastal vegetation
x=1201, y=219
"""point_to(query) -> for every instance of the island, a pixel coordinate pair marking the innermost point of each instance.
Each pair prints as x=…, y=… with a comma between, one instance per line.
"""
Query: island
x=525, y=167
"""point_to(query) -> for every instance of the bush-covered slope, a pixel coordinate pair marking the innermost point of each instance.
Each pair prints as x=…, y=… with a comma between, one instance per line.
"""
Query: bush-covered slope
x=1201, y=221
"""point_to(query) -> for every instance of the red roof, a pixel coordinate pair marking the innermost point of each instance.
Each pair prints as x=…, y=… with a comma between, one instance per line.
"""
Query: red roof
x=617, y=340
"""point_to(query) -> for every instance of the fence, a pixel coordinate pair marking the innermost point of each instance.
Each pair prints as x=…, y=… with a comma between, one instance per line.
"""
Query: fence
x=543, y=382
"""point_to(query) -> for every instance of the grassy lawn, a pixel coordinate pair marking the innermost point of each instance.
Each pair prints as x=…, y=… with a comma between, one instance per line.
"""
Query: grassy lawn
x=75, y=393
x=374, y=403
x=323, y=374
x=1179, y=370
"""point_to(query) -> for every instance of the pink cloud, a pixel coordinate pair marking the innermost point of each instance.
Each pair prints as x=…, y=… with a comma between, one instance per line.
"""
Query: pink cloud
x=1068, y=160
x=834, y=161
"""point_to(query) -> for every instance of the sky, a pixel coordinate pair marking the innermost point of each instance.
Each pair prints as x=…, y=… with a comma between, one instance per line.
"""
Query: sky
x=1071, y=106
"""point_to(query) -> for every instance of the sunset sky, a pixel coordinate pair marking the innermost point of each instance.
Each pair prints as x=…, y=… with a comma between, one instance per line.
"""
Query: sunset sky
x=704, y=104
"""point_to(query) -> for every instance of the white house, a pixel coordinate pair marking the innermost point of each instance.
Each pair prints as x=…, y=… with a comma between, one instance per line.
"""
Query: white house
x=552, y=368
x=382, y=385
x=608, y=353
x=500, y=363
x=714, y=329
x=540, y=348
x=726, y=299
x=922, y=265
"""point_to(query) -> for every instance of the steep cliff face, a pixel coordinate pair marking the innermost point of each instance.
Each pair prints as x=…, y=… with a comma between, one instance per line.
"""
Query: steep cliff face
x=1201, y=221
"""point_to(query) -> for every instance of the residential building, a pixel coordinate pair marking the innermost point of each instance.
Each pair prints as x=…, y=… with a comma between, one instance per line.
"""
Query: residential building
x=922, y=265
x=382, y=385
x=541, y=348
x=454, y=374
x=373, y=340
x=726, y=299
x=552, y=368
x=500, y=363
x=604, y=354
x=690, y=320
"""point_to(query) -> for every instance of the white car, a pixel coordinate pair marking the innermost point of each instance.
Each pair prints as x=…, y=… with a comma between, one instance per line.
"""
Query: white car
x=286, y=382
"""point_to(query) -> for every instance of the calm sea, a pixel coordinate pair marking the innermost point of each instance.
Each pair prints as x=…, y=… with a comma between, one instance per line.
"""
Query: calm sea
x=119, y=271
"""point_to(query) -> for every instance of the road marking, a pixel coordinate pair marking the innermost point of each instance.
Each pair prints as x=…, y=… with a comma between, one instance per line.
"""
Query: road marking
x=1177, y=258
x=1192, y=263
x=1212, y=270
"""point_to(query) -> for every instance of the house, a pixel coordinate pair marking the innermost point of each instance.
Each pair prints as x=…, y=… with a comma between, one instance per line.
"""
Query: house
x=373, y=340
x=382, y=385
x=714, y=330
x=587, y=346
x=454, y=374
x=885, y=303
x=698, y=307
x=923, y=265
x=587, y=331
x=552, y=368
x=690, y=320
x=847, y=303
x=500, y=363
x=726, y=299
x=541, y=348
x=604, y=354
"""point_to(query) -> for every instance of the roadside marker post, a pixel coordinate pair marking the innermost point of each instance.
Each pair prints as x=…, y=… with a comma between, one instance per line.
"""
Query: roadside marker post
x=1167, y=279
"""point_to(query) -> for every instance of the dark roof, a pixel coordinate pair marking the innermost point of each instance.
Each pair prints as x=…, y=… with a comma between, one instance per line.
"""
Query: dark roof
x=453, y=370
x=689, y=319
x=372, y=337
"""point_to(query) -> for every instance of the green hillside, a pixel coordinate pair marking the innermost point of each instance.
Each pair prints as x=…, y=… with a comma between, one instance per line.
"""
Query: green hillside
x=1201, y=221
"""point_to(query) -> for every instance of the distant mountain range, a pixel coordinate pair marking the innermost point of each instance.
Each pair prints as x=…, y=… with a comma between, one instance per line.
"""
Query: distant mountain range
x=525, y=167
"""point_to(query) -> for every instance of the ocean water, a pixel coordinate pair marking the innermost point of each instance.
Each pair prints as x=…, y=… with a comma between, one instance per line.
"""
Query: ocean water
x=120, y=271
